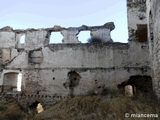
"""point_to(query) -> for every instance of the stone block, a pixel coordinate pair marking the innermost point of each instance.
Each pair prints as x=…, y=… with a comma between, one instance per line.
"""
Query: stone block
x=36, y=54
x=36, y=60
x=70, y=36
x=6, y=55
x=20, y=61
x=14, y=53
x=7, y=39
x=102, y=34
x=35, y=39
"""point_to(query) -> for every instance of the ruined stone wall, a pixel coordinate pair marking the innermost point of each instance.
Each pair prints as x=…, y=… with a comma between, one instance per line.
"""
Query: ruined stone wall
x=143, y=21
x=51, y=72
x=137, y=20
x=153, y=8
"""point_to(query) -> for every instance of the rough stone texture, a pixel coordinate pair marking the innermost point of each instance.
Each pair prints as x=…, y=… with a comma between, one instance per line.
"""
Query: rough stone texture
x=52, y=72
x=7, y=39
x=6, y=55
x=98, y=66
x=7, y=28
x=20, y=61
x=102, y=34
x=138, y=56
x=36, y=54
x=35, y=39
x=109, y=26
x=69, y=36
x=5, y=72
x=141, y=13
x=136, y=13
x=10, y=82
x=153, y=16
x=35, y=57
x=99, y=55
x=140, y=84
x=14, y=53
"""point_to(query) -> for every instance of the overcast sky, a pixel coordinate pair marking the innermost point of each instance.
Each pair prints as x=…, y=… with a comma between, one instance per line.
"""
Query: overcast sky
x=22, y=14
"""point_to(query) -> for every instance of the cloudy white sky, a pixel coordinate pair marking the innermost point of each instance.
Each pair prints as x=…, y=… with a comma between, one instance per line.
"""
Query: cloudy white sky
x=22, y=14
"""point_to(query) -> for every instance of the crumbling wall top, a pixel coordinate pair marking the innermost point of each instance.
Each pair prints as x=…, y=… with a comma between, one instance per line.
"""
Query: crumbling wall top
x=35, y=38
x=109, y=25
x=134, y=2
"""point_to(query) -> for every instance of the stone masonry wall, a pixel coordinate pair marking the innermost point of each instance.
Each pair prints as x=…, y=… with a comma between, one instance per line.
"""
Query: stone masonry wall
x=51, y=72
x=143, y=21
x=137, y=18
x=153, y=8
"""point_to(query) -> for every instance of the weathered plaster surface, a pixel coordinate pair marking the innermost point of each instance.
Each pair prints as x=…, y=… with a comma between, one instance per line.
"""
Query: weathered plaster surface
x=51, y=72
x=146, y=12
x=153, y=8
x=70, y=36
x=104, y=34
x=7, y=39
x=35, y=39
x=136, y=13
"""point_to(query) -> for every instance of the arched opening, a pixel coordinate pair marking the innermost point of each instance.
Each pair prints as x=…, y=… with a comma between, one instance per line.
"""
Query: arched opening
x=74, y=79
x=36, y=107
x=136, y=85
x=39, y=108
x=12, y=82
x=130, y=90
x=143, y=84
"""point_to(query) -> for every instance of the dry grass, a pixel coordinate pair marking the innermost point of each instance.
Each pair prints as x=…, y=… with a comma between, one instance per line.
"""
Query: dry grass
x=10, y=110
x=113, y=107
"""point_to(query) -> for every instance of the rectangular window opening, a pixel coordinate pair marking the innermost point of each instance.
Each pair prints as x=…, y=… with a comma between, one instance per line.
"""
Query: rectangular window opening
x=84, y=36
x=141, y=33
x=22, y=39
x=55, y=37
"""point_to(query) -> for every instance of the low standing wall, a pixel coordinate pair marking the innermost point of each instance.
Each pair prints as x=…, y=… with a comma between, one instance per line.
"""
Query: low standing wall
x=51, y=72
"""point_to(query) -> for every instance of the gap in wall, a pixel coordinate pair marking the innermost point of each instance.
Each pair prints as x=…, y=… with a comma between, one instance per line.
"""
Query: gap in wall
x=129, y=90
x=141, y=33
x=19, y=82
x=55, y=37
x=22, y=39
x=84, y=36
x=39, y=108
x=12, y=82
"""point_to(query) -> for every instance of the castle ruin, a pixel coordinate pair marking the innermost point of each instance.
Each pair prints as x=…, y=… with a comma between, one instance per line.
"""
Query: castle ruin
x=52, y=72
